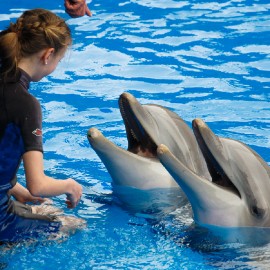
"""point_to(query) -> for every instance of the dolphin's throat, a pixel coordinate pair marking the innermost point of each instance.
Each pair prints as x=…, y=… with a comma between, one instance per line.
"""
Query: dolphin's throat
x=139, y=142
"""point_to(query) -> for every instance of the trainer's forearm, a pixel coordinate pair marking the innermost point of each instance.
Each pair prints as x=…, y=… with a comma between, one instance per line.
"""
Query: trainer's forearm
x=18, y=191
x=36, y=180
x=49, y=187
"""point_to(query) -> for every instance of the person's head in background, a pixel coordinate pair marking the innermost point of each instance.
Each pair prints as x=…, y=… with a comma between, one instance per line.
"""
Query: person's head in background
x=35, y=43
x=77, y=8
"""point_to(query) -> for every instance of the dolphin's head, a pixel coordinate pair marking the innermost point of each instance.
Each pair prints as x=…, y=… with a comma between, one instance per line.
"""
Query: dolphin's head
x=234, y=165
x=149, y=125
x=239, y=192
x=138, y=166
x=146, y=127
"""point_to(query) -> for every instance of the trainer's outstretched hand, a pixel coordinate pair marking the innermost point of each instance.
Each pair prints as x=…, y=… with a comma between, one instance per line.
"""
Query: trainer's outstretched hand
x=74, y=194
x=77, y=8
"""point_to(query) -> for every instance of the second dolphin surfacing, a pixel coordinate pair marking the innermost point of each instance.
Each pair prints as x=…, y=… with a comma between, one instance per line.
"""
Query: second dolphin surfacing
x=238, y=196
x=137, y=169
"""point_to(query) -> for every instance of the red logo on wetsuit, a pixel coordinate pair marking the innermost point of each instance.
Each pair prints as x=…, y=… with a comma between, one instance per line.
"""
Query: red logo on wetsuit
x=37, y=132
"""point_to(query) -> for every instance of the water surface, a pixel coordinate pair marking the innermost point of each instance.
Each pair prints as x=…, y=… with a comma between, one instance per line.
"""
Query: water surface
x=205, y=59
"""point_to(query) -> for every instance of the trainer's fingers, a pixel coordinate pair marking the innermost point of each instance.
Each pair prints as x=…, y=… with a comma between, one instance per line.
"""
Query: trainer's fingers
x=69, y=204
x=72, y=203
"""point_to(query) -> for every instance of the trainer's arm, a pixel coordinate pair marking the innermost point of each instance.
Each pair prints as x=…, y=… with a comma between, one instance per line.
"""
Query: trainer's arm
x=41, y=185
x=21, y=194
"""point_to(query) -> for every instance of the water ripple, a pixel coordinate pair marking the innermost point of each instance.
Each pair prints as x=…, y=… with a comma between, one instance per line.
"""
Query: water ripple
x=201, y=59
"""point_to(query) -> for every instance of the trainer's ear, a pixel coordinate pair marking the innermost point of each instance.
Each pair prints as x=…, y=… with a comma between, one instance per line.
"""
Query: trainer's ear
x=46, y=55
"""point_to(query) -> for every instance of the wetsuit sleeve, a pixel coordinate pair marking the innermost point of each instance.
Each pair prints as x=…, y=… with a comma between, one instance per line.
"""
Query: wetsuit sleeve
x=31, y=123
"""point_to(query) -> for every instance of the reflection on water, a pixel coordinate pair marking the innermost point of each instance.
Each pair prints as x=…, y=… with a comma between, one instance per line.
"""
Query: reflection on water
x=201, y=59
x=151, y=204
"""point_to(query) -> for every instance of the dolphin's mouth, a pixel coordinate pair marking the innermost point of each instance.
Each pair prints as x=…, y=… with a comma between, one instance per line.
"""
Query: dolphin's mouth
x=139, y=142
x=219, y=177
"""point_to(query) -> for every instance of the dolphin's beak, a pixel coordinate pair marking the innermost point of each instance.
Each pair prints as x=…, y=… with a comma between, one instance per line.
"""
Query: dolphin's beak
x=212, y=147
x=138, y=139
x=93, y=133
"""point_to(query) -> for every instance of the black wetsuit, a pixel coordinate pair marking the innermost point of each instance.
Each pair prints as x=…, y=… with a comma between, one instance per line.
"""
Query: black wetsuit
x=20, y=131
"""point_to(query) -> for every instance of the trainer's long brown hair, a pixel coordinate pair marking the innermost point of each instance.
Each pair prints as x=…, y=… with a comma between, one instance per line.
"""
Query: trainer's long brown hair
x=35, y=30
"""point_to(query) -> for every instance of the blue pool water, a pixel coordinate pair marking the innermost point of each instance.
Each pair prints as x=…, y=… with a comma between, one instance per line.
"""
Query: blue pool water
x=205, y=59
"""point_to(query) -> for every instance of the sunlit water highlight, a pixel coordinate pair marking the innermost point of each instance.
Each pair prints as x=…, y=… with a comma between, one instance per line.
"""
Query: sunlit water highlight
x=201, y=59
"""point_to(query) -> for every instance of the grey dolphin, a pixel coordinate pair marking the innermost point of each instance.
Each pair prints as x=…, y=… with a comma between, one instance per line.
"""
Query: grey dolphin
x=238, y=195
x=146, y=127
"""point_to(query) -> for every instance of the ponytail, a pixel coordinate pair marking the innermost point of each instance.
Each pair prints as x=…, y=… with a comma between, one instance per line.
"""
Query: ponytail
x=9, y=51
